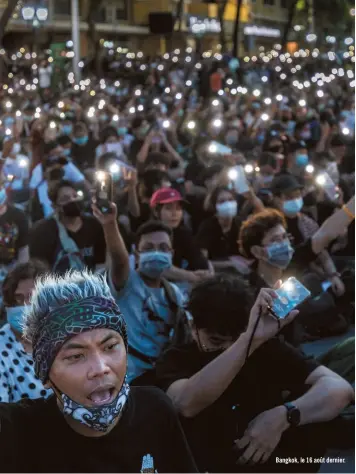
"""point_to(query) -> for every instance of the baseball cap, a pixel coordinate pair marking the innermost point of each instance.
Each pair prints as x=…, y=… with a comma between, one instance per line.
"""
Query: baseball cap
x=165, y=196
x=285, y=183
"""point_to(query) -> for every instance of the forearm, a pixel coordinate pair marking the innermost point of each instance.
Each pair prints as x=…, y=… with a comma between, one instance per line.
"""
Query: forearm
x=142, y=154
x=327, y=263
x=325, y=400
x=333, y=227
x=23, y=255
x=206, y=386
x=132, y=204
x=178, y=274
x=117, y=254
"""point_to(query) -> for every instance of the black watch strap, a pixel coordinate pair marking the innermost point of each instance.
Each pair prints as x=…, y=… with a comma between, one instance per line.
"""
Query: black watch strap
x=293, y=414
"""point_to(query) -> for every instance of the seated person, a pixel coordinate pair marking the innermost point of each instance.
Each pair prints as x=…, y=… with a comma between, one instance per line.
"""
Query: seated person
x=287, y=193
x=54, y=168
x=153, y=307
x=229, y=385
x=70, y=237
x=93, y=415
x=189, y=264
x=18, y=380
x=83, y=149
x=217, y=235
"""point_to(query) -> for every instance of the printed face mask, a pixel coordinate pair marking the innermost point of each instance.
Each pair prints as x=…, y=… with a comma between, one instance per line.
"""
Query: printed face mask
x=280, y=254
x=227, y=209
x=97, y=418
x=14, y=317
x=153, y=264
x=292, y=206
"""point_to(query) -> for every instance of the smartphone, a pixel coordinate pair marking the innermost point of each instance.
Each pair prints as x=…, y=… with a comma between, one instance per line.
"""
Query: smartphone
x=103, y=191
x=324, y=181
x=290, y=295
x=219, y=149
x=239, y=180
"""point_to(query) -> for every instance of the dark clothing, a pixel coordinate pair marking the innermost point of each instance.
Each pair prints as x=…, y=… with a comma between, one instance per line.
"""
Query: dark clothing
x=45, y=244
x=83, y=156
x=194, y=172
x=294, y=230
x=148, y=427
x=220, y=246
x=196, y=211
x=272, y=369
x=13, y=234
x=187, y=254
x=135, y=147
x=145, y=215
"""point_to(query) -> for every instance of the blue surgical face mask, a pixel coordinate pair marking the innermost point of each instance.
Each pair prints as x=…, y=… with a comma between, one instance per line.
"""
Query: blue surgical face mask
x=122, y=131
x=301, y=159
x=226, y=209
x=9, y=121
x=280, y=254
x=3, y=196
x=103, y=117
x=292, y=207
x=67, y=129
x=81, y=140
x=153, y=264
x=14, y=317
x=66, y=151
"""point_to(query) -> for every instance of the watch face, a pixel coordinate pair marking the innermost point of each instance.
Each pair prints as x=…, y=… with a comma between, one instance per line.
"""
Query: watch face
x=294, y=416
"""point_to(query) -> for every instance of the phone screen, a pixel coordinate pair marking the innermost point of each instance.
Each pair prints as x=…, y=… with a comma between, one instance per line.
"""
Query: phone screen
x=324, y=181
x=240, y=182
x=219, y=149
x=103, y=191
x=290, y=295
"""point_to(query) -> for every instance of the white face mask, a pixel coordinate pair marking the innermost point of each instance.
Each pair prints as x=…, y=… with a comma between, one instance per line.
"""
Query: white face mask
x=227, y=209
x=16, y=148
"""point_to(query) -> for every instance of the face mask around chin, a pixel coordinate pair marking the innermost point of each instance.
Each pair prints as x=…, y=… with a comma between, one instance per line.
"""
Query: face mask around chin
x=153, y=264
x=227, y=209
x=292, y=207
x=280, y=254
x=96, y=418
x=14, y=317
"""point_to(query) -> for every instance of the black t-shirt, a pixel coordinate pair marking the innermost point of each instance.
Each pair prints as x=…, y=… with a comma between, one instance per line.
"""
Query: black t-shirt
x=149, y=427
x=197, y=211
x=45, y=244
x=194, y=172
x=84, y=155
x=293, y=229
x=145, y=215
x=13, y=234
x=220, y=246
x=187, y=254
x=135, y=147
x=272, y=369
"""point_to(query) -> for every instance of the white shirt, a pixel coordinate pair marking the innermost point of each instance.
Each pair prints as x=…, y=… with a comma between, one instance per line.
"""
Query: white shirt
x=44, y=75
x=17, y=377
x=71, y=173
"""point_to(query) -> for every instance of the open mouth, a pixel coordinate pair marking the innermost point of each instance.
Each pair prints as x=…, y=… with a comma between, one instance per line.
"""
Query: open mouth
x=102, y=396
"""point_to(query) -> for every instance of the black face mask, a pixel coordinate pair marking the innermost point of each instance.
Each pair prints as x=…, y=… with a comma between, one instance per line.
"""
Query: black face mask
x=56, y=174
x=72, y=209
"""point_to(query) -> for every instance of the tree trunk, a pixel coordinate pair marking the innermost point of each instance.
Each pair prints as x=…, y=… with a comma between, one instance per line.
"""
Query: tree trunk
x=235, y=51
x=291, y=13
x=221, y=14
x=94, y=7
x=179, y=14
x=4, y=20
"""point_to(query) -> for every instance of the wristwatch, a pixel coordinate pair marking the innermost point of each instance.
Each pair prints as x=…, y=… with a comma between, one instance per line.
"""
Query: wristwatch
x=293, y=414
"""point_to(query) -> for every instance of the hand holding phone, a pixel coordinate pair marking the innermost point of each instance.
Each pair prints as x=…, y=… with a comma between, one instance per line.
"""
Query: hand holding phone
x=327, y=184
x=103, y=192
x=239, y=180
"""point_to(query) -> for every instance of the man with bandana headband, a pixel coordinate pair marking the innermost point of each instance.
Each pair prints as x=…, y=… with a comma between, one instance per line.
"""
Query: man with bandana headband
x=94, y=421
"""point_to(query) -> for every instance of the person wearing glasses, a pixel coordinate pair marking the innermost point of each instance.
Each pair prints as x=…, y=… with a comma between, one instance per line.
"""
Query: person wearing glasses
x=247, y=399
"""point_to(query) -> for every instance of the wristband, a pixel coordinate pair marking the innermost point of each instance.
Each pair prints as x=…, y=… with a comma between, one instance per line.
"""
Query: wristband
x=348, y=212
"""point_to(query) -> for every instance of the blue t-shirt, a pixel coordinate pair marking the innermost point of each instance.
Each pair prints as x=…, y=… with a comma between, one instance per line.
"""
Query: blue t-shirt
x=149, y=321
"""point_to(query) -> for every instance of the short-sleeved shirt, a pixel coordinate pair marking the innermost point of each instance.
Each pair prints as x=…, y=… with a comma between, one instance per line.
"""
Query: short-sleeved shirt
x=220, y=246
x=17, y=377
x=187, y=254
x=13, y=234
x=45, y=244
x=272, y=369
x=149, y=321
x=35, y=437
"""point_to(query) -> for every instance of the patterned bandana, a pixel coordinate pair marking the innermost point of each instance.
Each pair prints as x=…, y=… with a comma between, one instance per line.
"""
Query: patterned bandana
x=69, y=320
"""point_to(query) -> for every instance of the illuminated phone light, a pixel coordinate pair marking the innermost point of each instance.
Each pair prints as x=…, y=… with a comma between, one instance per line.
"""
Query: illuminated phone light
x=166, y=124
x=229, y=82
x=217, y=123
x=132, y=110
x=137, y=93
x=10, y=177
x=213, y=148
x=221, y=92
x=249, y=168
x=140, y=108
x=8, y=132
x=346, y=131
x=320, y=180
x=320, y=93
x=257, y=169
x=268, y=101
x=302, y=103
x=52, y=125
x=288, y=286
x=233, y=91
x=232, y=174
x=215, y=102
x=114, y=168
x=23, y=163
x=8, y=105
x=309, y=169
x=115, y=118
x=191, y=125
x=256, y=93
x=100, y=176
x=279, y=97
x=265, y=117
x=179, y=96
x=18, y=113
x=156, y=102
x=80, y=194
x=167, y=90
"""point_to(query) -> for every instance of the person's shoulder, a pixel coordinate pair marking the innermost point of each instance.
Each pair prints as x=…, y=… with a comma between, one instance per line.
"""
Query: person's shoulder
x=15, y=213
x=153, y=400
x=26, y=410
x=44, y=225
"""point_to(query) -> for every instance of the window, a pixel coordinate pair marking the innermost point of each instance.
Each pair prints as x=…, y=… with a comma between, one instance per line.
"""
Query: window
x=268, y=2
x=62, y=7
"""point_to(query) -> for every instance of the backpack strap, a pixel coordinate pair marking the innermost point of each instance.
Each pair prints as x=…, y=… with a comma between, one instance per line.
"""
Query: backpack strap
x=67, y=243
x=181, y=331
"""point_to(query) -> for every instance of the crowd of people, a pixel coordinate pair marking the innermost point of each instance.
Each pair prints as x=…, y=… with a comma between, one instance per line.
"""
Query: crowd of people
x=147, y=222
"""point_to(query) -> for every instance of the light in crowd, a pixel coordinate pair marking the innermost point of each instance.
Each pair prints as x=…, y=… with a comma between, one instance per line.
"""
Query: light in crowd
x=177, y=51
x=232, y=174
x=279, y=97
x=18, y=113
x=117, y=83
x=137, y=92
x=348, y=41
x=265, y=117
x=288, y=285
x=350, y=74
x=160, y=67
x=198, y=66
x=309, y=169
x=81, y=64
x=320, y=83
x=249, y=168
x=140, y=108
x=165, y=56
x=132, y=110
x=115, y=118
x=191, y=125
x=264, y=79
x=8, y=105
x=11, y=91
x=244, y=90
x=23, y=163
x=257, y=169
x=69, y=44
x=8, y=132
x=311, y=37
x=188, y=59
x=167, y=90
x=166, y=124
x=188, y=83
x=233, y=91
x=220, y=92
x=156, y=101
x=320, y=180
x=320, y=93
x=278, y=69
x=35, y=80
x=331, y=39
x=346, y=131
x=179, y=96
x=52, y=125
x=100, y=176
x=114, y=168
x=213, y=148
x=283, y=76
x=215, y=102
x=302, y=102
x=80, y=194
x=143, y=67
x=174, y=59
x=256, y=93
x=229, y=82
x=217, y=123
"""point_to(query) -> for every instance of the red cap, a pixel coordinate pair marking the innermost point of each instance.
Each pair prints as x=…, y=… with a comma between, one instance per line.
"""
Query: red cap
x=165, y=196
